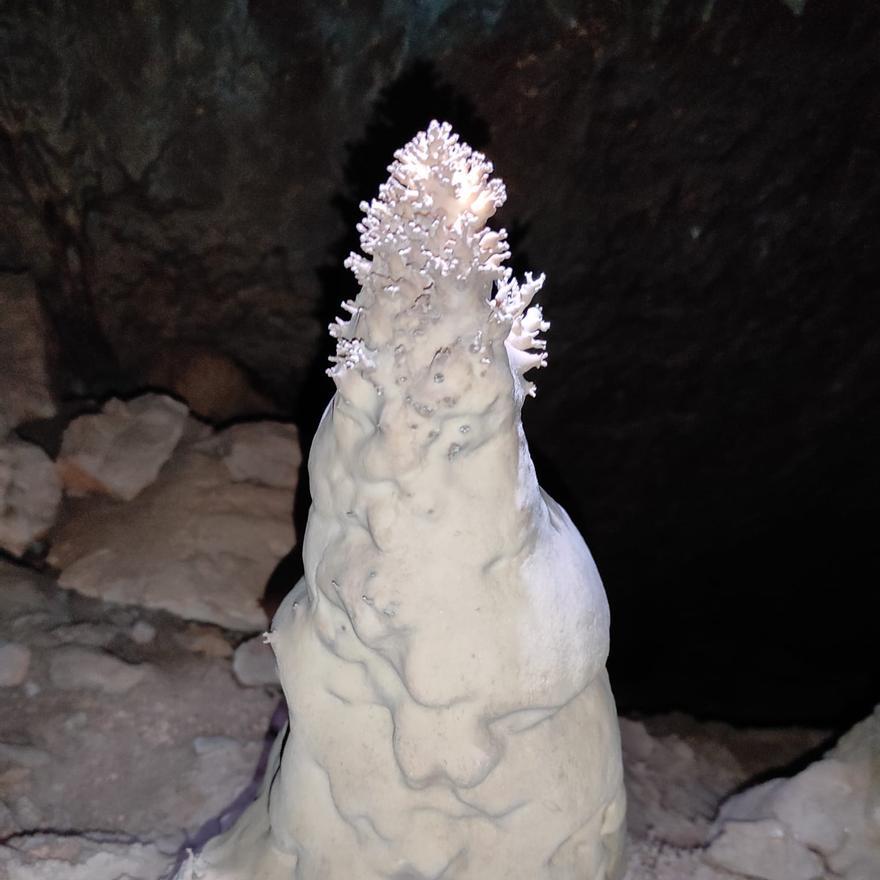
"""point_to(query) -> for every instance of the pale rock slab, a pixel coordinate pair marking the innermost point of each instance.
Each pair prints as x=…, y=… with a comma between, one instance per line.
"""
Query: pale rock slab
x=267, y=453
x=30, y=493
x=22, y=590
x=25, y=391
x=15, y=660
x=765, y=849
x=121, y=450
x=825, y=820
x=72, y=857
x=197, y=542
x=79, y=667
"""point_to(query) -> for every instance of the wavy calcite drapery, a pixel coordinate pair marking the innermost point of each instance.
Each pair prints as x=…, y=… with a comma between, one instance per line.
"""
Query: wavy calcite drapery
x=443, y=657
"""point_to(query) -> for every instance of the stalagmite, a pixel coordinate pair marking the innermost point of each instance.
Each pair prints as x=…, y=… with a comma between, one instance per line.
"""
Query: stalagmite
x=443, y=657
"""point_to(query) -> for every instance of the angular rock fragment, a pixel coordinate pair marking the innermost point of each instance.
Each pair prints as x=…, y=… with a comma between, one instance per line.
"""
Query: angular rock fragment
x=261, y=452
x=823, y=821
x=765, y=849
x=30, y=493
x=120, y=451
x=198, y=542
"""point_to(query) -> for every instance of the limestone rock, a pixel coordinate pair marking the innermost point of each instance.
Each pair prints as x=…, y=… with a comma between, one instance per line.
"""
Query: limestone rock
x=262, y=452
x=121, y=450
x=197, y=543
x=77, y=667
x=24, y=377
x=764, y=849
x=824, y=820
x=674, y=786
x=29, y=495
x=51, y=856
x=14, y=663
x=254, y=663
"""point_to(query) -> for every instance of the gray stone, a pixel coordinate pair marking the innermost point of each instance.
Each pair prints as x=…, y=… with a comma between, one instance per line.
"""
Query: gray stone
x=15, y=660
x=96, y=635
x=254, y=663
x=51, y=857
x=262, y=452
x=22, y=590
x=75, y=667
x=824, y=816
x=765, y=849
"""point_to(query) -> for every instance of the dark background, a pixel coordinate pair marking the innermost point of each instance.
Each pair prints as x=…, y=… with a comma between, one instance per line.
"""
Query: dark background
x=699, y=181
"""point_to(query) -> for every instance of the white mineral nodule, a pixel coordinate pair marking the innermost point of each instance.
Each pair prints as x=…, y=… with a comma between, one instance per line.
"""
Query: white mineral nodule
x=443, y=657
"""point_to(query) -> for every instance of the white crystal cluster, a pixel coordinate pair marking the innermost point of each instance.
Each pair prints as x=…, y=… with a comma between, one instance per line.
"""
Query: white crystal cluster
x=429, y=243
x=443, y=657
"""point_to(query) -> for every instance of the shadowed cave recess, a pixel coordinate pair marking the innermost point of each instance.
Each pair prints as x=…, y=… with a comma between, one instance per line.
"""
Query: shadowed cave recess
x=180, y=185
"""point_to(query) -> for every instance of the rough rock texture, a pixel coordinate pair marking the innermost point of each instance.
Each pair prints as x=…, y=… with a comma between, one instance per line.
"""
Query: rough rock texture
x=81, y=857
x=825, y=821
x=30, y=493
x=75, y=668
x=696, y=178
x=25, y=391
x=101, y=786
x=261, y=452
x=213, y=385
x=207, y=540
x=121, y=450
x=88, y=748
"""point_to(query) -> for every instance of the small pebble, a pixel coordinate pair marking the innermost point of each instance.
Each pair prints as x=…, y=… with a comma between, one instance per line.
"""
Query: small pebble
x=142, y=632
x=15, y=660
x=254, y=663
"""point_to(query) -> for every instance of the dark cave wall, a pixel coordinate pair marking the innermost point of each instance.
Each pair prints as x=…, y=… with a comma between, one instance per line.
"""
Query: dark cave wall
x=699, y=181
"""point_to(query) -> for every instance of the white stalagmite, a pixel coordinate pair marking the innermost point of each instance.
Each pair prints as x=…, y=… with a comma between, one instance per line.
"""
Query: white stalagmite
x=443, y=657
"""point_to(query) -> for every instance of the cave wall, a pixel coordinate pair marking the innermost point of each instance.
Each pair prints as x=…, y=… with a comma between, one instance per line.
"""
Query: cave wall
x=698, y=180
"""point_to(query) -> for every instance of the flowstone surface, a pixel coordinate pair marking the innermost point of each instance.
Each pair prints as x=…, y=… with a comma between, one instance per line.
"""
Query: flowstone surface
x=443, y=657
